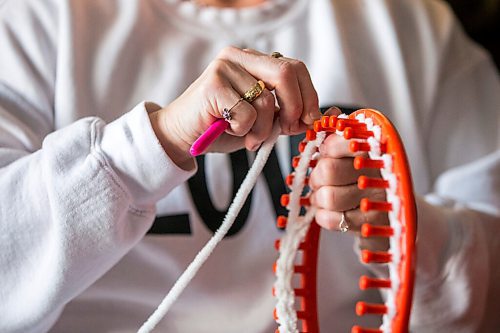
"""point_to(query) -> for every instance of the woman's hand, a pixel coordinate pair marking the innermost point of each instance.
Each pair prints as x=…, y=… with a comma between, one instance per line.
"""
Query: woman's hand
x=335, y=191
x=220, y=86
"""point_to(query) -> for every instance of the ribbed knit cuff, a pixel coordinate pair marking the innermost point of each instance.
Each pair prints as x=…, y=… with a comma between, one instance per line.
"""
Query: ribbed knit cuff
x=133, y=151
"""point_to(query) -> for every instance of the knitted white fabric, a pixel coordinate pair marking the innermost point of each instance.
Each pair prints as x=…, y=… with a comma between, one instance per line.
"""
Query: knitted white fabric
x=395, y=240
x=296, y=229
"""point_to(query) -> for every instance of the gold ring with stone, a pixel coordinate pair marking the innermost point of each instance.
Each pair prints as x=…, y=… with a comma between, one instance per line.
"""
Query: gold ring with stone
x=226, y=113
x=254, y=91
x=343, y=225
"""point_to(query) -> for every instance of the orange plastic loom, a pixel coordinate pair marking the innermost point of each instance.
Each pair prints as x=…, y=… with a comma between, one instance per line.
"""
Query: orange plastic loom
x=371, y=132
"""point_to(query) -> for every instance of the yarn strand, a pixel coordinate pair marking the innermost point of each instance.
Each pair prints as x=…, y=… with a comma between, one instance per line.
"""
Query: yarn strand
x=202, y=256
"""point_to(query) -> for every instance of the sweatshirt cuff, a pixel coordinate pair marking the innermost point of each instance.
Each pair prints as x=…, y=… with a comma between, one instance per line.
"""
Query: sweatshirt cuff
x=437, y=235
x=131, y=148
x=452, y=274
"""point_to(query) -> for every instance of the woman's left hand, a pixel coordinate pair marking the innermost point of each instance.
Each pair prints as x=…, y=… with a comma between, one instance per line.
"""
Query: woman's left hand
x=335, y=191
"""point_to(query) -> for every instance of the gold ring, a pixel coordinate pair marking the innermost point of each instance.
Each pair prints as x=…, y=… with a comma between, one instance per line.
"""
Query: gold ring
x=276, y=54
x=254, y=92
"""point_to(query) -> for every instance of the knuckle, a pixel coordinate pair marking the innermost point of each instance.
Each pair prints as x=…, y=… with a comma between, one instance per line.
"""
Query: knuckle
x=298, y=64
x=213, y=88
x=226, y=51
x=319, y=171
x=218, y=67
x=267, y=100
x=286, y=71
x=341, y=166
x=325, y=196
x=214, y=80
x=330, y=167
x=296, y=110
x=313, y=183
x=249, y=50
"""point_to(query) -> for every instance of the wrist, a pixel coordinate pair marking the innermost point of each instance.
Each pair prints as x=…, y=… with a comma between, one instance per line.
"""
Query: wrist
x=173, y=145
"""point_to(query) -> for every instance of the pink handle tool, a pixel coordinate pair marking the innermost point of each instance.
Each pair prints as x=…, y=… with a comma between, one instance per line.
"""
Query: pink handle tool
x=209, y=136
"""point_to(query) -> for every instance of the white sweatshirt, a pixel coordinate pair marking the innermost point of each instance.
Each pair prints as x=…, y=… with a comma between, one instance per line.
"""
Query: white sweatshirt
x=82, y=175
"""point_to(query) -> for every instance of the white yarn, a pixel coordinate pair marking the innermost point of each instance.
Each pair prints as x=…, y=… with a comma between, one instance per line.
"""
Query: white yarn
x=386, y=172
x=296, y=229
x=394, y=241
x=202, y=256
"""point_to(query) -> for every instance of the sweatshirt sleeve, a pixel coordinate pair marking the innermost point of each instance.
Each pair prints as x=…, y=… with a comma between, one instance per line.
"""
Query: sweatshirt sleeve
x=456, y=260
x=457, y=270
x=72, y=201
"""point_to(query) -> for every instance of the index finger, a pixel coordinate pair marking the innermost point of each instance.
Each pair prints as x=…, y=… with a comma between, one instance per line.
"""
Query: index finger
x=290, y=79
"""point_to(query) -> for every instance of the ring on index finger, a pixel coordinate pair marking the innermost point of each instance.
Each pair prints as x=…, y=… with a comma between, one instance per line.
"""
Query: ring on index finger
x=226, y=113
x=254, y=92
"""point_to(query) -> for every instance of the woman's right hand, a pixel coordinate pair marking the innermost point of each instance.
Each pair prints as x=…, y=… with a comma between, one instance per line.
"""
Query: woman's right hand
x=221, y=85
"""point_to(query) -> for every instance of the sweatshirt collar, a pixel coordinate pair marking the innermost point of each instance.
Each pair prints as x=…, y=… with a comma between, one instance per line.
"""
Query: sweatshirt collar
x=232, y=23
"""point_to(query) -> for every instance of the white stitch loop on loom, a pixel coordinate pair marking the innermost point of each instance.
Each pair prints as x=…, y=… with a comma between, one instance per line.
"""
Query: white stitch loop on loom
x=391, y=197
x=287, y=316
x=296, y=230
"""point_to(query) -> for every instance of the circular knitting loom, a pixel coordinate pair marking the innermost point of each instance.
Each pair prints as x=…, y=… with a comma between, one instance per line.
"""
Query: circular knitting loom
x=371, y=132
